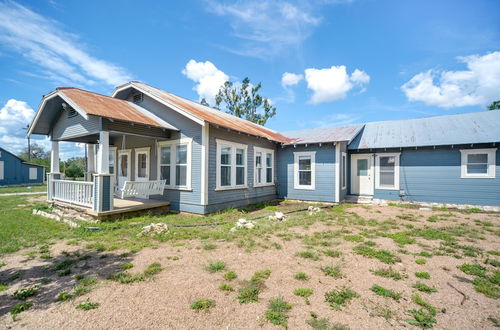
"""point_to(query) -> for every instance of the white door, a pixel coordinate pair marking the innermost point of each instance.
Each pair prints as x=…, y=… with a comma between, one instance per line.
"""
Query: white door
x=142, y=164
x=362, y=174
x=123, y=167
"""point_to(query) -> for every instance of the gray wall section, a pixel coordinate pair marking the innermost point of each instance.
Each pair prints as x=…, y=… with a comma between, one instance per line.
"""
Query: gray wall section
x=66, y=128
x=433, y=175
x=325, y=174
x=218, y=200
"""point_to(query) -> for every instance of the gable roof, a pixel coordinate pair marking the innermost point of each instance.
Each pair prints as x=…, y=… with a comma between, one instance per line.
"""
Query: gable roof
x=467, y=128
x=324, y=134
x=202, y=113
x=19, y=158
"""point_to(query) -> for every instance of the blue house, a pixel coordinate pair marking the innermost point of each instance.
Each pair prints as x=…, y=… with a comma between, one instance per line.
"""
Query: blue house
x=148, y=148
x=14, y=171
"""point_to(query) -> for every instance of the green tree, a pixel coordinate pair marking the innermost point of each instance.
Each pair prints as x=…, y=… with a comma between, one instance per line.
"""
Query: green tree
x=39, y=155
x=74, y=167
x=244, y=101
x=495, y=105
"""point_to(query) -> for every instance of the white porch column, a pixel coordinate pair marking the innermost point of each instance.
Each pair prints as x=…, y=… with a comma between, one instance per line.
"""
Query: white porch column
x=103, y=153
x=90, y=162
x=54, y=158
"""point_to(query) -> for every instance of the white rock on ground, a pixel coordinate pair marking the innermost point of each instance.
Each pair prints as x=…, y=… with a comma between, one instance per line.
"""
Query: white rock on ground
x=278, y=216
x=311, y=210
x=242, y=223
x=154, y=229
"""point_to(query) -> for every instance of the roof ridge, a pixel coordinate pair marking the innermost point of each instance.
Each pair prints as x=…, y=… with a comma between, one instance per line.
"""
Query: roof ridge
x=90, y=92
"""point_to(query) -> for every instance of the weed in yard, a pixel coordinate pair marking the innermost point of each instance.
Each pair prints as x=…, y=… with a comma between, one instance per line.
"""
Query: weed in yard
x=324, y=324
x=423, y=275
x=492, y=262
x=332, y=253
x=215, y=266
x=152, y=270
x=249, y=293
x=209, y=246
x=64, y=296
x=230, y=275
x=277, y=312
x=433, y=218
x=381, y=291
x=333, y=271
x=339, y=297
x=424, y=287
x=203, y=305
x=382, y=255
x=303, y=292
x=425, y=254
x=100, y=247
x=417, y=299
x=493, y=252
x=486, y=287
x=21, y=307
x=126, y=278
x=421, y=318
x=308, y=255
x=126, y=266
x=475, y=270
x=85, y=286
x=277, y=246
x=3, y=286
x=88, y=305
x=301, y=276
x=401, y=238
x=420, y=261
x=387, y=273
x=25, y=293
x=226, y=287
x=2, y=264
x=79, y=277
x=354, y=238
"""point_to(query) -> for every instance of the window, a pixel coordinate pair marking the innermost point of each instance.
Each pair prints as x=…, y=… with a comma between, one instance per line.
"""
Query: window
x=478, y=163
x=344, y=171
x=174, y=163
x=124, y=165
x=112, y=160
x=1, y=171
x=33, y=173
x=387, y=171
x=142, y=164
x=231, y=165
x=304, y=168
x=264, y=167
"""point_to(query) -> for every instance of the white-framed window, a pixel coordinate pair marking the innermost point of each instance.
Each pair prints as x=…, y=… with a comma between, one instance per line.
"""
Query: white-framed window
x=387, y=171
x=112, y=160
x=478, y=163
x=33, y=173
x=263, y=167
x=231, y=165
x=304, y=170
x=142, y=164
x=174, y=163
x=343, y=178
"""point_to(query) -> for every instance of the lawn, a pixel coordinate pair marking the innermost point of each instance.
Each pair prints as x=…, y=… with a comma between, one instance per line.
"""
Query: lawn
x=348, y=266
x=22, y=189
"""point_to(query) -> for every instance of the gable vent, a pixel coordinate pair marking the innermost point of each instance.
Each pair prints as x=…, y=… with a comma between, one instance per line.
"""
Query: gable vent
x=137, y=98
x=72, y=113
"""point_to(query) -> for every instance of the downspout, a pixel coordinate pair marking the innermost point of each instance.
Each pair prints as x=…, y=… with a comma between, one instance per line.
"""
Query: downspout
x=337, y=172
x=205, y=141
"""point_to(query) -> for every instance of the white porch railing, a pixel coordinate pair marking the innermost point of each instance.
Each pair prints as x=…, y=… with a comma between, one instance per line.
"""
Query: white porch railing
x=75, y=192
x=145, y=188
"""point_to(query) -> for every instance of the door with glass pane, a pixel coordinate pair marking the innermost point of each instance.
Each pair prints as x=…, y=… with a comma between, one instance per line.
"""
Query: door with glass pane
x=123, y=167
x=362, y=175
x=142, y=164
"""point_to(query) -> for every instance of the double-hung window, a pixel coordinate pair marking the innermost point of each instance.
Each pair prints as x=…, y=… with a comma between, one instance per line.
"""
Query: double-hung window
x=304, y=170
x=264, y=167
x=174, y=163
x=478, y=163
x=231, y=165
x=387, y=171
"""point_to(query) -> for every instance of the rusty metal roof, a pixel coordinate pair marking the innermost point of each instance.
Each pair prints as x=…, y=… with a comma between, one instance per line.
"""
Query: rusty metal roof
x=104, y=106
x=324, y=134
x=467, y=128
x=213, y=116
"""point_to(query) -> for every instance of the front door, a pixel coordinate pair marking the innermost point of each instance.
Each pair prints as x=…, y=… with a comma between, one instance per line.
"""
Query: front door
x=123, y=167
x=362, y=174
x=142, y=164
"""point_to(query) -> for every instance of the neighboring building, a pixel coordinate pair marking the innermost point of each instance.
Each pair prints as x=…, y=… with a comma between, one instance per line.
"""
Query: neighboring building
x=208, y=160
x=14, y=171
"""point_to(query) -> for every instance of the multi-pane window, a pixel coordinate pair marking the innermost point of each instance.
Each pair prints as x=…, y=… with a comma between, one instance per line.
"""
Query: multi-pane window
x=181, y=165
x=142, y=162
x=264, y=167
x=165, y=165
x=478, y=163
x=174, y=163
x=231, y=165
x=387, y=171
x=304, y=168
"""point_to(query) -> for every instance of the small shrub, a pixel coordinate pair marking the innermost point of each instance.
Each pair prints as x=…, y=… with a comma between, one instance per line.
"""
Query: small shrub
x=417, y=299
x=423, y=275
x=378, y=290
x=476, y=270
x=215, y=266
x=354, y=238
x=382, y=255
x=203, y=305
x=332, y=253
x=209, y=246
x=420, y=261
x=126, y=266
x=64, y=296
x=303, y=292
x=421, y=318
x=152, y=270
x=25, y=293
x=308, y=255
x=424, y=287
x=226, y=287
x=21, y=307
x=339, y=297
x=230, y=275
x=301, y=276
x=333, y=271
x=277, y=312
x=387, y=273
x=88, y=305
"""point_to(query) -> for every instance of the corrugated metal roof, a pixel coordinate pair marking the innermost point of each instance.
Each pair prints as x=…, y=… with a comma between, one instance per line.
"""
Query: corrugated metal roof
x=468, y=128
x=210, y=115
x=105, y=106
x=323, y=134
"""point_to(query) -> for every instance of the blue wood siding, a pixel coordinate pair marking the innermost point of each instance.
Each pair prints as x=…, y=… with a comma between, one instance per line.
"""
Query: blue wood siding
x=66, y=128
x=16, y=172
x=433, y=175
x=325, y=174
x=218, y=200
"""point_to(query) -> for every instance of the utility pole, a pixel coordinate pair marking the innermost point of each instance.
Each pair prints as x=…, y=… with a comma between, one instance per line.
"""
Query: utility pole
x=29, y=144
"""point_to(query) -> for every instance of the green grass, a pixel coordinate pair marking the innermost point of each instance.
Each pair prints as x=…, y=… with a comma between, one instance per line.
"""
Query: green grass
x=21, y=307
x=303, y=292
x=3, y=286
x=64, y=296
x=215, y=266
x=308, y=255
x=301, y=276
x=420, y=261
x=382, y=255
x=277, y=312
x=354, y=238
x=203, y=305
x=487, y=287
x=333, y=271
x=249, y=293
x=152, y=270
x=417, y=299
x=22, y=189
x=421, y=318
x=230, y=275
x=25, y=293
x=401, y=238
x=226, y=287
x=261, y=275
x=88, y=305
x=387, y=273
x=476, y=270
x=126, y=277
x=126, y=266
x=339, y=297
x=332, y=253
x=424, y=287
x=209, y=246
x=423, y=275
x=381, y=291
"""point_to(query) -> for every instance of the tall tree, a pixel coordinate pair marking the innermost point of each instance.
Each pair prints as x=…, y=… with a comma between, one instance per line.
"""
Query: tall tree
x=244, y=101
x=495, y=105
x=37, y=152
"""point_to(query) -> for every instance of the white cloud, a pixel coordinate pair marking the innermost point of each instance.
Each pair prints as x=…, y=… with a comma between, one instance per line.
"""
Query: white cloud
x=14, y=117
x=209, y=79
x=333, y=83
x=476, y=86
x=267, y=27
x=290, y=79
x=44, y=43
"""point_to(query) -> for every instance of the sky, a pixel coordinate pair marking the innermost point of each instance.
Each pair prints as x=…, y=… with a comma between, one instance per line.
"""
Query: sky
x=320, y=62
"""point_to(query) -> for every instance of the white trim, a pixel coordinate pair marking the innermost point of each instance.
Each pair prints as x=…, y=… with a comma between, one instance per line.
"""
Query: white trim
x=233, y=146
x=343, y=174
x=337, y=172
x=103, y=153
x=396, y=156
x=205, y=142
x=137, y=152
x=54, y=158
x=491, y=172
x=354, y=176
x=264, y=152
x=296, y=156
x=127, y=152
x=173, y=162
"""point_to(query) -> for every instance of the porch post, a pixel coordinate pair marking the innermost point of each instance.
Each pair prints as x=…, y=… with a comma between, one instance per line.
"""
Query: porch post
x=90, y=162
x=103, y=192
x=54, y=170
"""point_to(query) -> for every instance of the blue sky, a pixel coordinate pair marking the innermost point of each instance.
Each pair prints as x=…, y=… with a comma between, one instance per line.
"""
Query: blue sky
x=322, y=63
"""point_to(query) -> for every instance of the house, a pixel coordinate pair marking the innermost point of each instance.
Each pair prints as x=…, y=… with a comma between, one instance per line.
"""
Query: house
x=15, y=172
x=150, y=147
